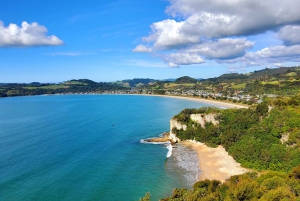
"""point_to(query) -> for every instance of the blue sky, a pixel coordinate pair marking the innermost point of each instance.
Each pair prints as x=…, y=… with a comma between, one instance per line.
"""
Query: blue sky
x=111, y=40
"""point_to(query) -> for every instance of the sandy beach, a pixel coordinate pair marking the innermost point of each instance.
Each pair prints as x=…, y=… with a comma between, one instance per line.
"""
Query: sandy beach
x=215, y=163
x=202, y=100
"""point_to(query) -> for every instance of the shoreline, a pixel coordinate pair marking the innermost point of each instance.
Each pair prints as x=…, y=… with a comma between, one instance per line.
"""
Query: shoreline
x=216, y=103
x=202, y=100
x=215, y=163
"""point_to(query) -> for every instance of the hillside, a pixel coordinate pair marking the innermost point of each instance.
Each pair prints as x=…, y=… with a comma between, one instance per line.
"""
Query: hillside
x=244, y=88
x=71, y=86
x=265, y=138
x=185, y=79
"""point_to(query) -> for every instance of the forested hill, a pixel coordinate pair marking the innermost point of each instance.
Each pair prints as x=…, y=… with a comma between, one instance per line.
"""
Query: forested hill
x=263, y=137
x=264, y=74
x=71, y=86
x=137, y=82
x=272, y=186
x=185, y=79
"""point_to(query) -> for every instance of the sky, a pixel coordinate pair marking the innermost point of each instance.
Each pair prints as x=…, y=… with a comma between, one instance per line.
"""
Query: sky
x=109, y=40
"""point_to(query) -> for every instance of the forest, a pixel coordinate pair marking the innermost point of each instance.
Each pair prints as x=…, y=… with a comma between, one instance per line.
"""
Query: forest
x=248, y=186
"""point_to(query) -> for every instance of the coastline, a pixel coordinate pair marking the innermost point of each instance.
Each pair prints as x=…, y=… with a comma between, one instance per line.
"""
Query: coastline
x=202, y=100
x=215, y=163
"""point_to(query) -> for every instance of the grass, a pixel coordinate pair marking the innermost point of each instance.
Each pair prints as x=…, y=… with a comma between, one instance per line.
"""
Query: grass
x=273, y=82
x=291, y=74
x=174, y=85
x=239, y=86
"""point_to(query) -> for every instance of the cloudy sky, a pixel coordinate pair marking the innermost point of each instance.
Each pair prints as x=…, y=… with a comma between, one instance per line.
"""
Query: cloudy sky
x=108, y=40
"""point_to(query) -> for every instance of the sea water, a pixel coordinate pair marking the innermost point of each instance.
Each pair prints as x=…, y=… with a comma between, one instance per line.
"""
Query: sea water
x=88, y=147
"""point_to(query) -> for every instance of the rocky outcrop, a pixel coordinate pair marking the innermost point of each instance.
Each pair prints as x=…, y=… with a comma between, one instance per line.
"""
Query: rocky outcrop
x=204, y=118
x=178, y=125
x=164, y=138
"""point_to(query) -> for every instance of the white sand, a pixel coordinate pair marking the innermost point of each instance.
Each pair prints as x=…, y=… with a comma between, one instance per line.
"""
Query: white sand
x=208, y=101
x=215, y=163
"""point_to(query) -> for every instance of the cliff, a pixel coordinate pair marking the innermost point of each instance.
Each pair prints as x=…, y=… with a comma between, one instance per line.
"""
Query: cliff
x=204, y=118
x=178, y=125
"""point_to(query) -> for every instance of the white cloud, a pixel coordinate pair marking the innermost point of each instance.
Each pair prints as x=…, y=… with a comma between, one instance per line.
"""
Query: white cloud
x=290, y=35
x=27, y=35
x=142, y=48
x=269, y=55
x=177, y=59
x=226, y=48
x=223, y=18
x=218, y=30
x=167, y=34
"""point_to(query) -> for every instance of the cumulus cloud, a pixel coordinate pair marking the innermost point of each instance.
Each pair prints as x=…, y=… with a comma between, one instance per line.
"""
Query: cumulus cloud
x=269, y=55
x=226, y=48
x=27, y=35
x=176, y=59
x=142, y=48
x=218, y=30
x=223, y=18
x=290, y=35
x=167, y=34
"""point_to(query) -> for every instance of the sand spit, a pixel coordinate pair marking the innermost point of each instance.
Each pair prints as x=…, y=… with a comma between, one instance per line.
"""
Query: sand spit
x=215, y=163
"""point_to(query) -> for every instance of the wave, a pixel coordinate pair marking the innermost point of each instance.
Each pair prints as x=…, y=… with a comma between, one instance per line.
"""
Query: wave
x=186, y=159
x=144, y=141
x=170, y=148
x=168, y=145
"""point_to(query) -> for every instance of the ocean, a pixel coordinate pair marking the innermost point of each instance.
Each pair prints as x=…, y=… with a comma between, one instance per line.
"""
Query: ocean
x=88, y=147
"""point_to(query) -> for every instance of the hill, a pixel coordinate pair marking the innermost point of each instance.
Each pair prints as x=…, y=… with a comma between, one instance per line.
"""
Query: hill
x=185, y=79
x=71, y=86
x=137, y=82
x=265, y=137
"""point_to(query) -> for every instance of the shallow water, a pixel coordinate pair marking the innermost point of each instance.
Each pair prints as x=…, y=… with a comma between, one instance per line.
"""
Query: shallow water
x=87, y=147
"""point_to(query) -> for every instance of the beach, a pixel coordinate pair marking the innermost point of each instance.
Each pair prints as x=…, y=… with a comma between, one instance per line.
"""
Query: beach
x=215, y=163
x=202, y=100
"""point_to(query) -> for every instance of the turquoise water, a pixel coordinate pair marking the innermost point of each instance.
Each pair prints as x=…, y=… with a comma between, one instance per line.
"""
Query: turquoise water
x=86, y=147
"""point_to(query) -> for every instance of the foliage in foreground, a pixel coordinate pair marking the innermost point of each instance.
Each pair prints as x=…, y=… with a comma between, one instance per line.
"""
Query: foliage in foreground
x=249, y=186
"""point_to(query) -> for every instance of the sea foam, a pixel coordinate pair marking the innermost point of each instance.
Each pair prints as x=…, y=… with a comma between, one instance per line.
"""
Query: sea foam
x=187, y=161
x=170, y=148
x=168, y=145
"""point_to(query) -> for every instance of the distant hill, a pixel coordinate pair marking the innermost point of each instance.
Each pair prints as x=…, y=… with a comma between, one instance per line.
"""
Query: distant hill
x=138, y=81
x=185, y=79
x=264, y=74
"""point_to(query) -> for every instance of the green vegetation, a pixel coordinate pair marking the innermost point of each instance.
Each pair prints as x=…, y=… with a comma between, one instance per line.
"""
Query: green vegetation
x=239, y=86
x=138, y=81
x=249, y=186
x=244, y=88
x=255, y=137
x=185, y=79
x=262, y=137
x=72, y=86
